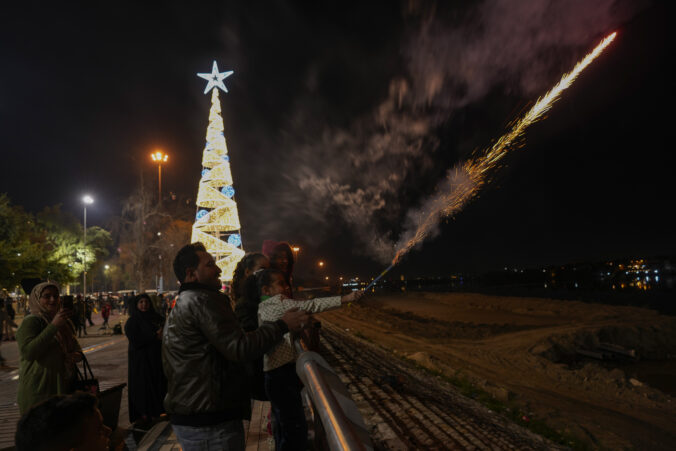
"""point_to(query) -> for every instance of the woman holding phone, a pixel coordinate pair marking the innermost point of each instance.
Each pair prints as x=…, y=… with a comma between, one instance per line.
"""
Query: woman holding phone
x=47, y=346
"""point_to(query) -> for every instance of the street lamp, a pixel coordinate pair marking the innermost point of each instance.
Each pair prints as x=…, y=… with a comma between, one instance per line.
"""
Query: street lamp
x=159, y=157
x=296, y=251
x=320, y=264
x=105, y=273
x=86, y=200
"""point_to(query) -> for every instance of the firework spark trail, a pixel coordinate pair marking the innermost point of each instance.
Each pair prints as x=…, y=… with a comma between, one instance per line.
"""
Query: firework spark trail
x=471, y=175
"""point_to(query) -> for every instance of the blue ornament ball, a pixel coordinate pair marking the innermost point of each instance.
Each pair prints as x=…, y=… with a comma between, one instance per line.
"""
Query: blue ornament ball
x=201, y=214
x=205, y=172
x=228, y=191
x=235, y=240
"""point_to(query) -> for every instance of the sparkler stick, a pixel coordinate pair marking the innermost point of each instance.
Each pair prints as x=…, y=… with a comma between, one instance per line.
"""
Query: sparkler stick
x=373, y=282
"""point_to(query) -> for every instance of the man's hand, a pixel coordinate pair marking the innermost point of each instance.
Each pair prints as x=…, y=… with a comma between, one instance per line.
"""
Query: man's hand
x=296, y=319
x=61, y=318
x=352, y=297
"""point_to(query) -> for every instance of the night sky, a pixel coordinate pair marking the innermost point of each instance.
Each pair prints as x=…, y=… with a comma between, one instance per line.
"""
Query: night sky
x=342, y=117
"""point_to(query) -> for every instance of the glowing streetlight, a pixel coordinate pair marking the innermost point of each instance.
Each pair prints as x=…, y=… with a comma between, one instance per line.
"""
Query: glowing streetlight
x=105, y=274
x=296, y=251
x=86, y=200
x=159, y=157
x=320, y=264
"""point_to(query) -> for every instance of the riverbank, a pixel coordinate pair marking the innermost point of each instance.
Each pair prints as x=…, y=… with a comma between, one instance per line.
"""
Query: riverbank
x=527, y=351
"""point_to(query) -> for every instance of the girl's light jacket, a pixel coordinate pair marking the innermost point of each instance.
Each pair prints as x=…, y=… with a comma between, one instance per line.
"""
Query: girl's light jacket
x=273, y=308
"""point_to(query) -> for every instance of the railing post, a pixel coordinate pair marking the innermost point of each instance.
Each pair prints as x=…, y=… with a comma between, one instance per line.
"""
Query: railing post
x=331, y=401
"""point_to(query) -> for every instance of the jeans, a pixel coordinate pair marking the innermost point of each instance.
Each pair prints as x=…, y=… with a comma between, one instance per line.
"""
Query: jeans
x=283, y=389
x=226, y=436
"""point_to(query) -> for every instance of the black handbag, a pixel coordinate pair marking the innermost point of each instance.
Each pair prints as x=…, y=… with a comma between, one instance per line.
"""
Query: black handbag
x=86, y=381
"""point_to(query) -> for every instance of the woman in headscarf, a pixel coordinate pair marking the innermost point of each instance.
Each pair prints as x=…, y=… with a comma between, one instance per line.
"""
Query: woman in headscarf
x=48, y=348
x=147, y=383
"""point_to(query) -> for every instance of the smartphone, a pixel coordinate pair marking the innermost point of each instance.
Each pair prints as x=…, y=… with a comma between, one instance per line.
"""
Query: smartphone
x=67, y=302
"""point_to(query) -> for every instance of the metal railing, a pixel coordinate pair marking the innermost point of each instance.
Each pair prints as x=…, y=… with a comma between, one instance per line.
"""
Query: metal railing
x=336, y=418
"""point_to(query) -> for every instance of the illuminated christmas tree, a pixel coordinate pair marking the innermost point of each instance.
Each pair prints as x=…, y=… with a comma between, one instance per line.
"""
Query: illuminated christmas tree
x=217, y=221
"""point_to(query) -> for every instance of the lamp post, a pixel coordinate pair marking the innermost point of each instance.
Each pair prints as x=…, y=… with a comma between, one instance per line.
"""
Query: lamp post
x=86, y=200
x=160, y=281
x=159, y=157
x=105, y=280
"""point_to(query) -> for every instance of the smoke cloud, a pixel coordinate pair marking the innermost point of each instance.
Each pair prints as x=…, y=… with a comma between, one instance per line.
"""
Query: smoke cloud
x=367, y=174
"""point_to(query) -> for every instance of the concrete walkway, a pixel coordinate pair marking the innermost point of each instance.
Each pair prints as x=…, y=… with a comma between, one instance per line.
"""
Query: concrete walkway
x=106, y=353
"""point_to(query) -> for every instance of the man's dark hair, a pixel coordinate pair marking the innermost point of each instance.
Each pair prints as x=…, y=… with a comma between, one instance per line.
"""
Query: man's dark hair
x=187, y=258
x=55, y=424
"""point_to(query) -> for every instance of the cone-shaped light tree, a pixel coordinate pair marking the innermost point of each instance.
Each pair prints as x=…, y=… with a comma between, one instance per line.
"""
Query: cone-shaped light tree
x=217, y=221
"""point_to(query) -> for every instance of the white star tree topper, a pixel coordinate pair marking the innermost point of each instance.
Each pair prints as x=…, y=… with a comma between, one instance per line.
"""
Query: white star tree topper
x=215, y=78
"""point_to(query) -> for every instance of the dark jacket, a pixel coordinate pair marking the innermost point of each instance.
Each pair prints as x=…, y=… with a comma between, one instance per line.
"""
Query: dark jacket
x=147, y=385
x=203, y=353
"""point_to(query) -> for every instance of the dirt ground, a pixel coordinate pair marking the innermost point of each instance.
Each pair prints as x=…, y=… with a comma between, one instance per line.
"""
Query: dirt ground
x=525, y=350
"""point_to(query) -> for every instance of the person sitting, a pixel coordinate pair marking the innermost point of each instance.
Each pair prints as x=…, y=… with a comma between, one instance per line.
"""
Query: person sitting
x=63, y=423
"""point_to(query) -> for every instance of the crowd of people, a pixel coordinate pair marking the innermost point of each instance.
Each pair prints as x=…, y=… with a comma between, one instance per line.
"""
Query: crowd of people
x=200, y=360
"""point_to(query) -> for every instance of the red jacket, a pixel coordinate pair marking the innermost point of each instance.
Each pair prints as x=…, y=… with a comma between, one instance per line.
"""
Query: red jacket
x=105, y=311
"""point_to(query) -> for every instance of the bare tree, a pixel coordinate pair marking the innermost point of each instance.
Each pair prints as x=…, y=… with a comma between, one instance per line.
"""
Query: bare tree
x=136, y=231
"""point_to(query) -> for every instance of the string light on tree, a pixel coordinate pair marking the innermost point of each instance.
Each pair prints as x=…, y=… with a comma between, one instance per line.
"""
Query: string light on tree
x=217, y=223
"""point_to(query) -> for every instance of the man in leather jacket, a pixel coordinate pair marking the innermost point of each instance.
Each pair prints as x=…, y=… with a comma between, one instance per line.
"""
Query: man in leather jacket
x=203, y=350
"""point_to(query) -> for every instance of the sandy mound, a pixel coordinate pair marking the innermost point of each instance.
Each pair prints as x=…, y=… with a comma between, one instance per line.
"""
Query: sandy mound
x=532, y=350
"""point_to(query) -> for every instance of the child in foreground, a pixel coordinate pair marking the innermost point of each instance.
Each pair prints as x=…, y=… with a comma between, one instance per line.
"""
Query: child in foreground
x=282, y=385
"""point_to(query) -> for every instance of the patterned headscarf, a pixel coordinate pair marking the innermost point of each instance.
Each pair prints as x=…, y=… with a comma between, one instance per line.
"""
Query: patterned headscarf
x=66, y=338
x=34, y=300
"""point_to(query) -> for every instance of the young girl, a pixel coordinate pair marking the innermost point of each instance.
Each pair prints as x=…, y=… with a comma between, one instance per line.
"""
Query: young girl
x=282, y=385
